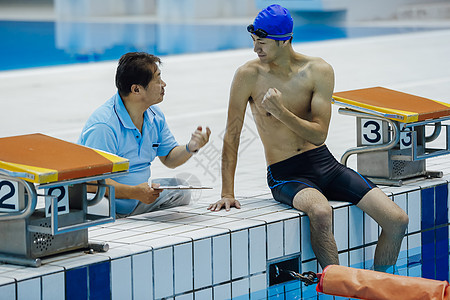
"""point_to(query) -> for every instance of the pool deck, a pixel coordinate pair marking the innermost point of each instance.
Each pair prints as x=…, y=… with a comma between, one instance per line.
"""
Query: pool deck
x=57, y=101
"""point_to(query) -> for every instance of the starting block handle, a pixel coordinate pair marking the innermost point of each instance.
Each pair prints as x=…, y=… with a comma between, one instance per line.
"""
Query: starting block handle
x=31, y=201
x=101, y=190
x=55, y=229
x=356, y=150
x=435, y=134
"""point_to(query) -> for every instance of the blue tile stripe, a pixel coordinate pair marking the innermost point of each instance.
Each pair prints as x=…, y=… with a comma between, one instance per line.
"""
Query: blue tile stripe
x=435, y=235
x=425, y=254
x=77, y=284
x=427, y=205
x=427, y=233
x=442, y=254
x=428, y=254
x=91, y=282
x=441, y=217
x=99, y=281
x=442, y=233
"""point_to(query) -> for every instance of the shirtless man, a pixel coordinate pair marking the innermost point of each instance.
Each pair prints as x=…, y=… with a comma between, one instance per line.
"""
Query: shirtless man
x=290, y=97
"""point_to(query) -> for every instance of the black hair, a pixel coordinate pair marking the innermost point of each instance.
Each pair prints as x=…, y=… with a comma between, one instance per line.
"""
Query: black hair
x=278, y=42
x=135, y=68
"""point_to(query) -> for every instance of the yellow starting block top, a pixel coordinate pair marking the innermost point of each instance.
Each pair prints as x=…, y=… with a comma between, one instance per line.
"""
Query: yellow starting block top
x=46, y=159
x=395, y=105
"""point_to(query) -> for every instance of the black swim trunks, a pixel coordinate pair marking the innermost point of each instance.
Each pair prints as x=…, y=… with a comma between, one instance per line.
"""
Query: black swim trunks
x=316, y=168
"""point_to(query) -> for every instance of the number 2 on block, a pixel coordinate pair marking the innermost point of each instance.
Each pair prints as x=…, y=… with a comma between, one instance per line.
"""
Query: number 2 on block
x=9, y=197
x=63, y=200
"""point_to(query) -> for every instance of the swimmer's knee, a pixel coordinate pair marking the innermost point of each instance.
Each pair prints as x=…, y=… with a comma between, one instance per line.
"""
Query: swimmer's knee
x=313, y=203
x=321, y=213
x=404, y=219
x=399, y=220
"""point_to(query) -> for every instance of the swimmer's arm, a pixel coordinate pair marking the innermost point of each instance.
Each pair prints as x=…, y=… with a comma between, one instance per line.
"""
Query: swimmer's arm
x=316, y=130
x=239, y=94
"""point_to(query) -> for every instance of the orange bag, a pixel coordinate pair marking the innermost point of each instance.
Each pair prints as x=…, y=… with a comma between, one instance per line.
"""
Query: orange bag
x=366, y=284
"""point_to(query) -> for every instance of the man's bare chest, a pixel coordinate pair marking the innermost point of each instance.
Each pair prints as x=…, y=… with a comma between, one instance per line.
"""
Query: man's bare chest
x=295, y=93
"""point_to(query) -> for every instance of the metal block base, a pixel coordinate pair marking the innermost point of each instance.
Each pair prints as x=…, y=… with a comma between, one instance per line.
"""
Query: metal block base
x=399, y=182
x=379, y=164
x=19, y=260
x=37, y=262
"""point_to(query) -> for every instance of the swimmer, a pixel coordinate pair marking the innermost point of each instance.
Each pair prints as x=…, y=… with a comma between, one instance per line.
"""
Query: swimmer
x=290, y=94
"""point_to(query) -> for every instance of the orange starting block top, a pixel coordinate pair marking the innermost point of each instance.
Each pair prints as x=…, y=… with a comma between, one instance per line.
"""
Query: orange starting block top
x=46, y=159
x=396, y=105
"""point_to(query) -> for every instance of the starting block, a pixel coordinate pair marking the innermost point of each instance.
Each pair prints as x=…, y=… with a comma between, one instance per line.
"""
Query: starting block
x=60, y=171
x=392, y=140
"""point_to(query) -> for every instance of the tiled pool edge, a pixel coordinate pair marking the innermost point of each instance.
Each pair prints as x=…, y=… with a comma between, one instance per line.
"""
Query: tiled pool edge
x=182, y=253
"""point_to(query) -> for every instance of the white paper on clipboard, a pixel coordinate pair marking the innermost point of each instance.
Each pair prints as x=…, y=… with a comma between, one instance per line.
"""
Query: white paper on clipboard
x=182, y=187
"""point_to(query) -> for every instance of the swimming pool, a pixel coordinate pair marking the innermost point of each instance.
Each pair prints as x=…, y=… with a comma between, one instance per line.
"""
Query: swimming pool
x=113, y=281
x=425, y=249
x=28, y=44
x=231, y=260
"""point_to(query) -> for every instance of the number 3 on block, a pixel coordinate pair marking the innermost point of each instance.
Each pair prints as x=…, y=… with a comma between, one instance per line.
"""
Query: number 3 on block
x=406, y=138
x=371, y=131
x=63, y=200
x=9, y=197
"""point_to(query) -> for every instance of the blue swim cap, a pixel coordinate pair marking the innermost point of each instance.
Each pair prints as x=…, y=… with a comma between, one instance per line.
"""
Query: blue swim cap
x=276, y=21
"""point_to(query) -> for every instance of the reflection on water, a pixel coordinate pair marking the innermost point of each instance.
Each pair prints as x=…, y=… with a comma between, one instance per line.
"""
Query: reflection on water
x=36, y=44
x=412, y=263
x=161, y=39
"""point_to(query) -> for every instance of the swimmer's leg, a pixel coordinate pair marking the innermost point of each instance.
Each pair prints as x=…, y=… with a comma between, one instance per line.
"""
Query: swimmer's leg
x=319, y=211
x=393, y=221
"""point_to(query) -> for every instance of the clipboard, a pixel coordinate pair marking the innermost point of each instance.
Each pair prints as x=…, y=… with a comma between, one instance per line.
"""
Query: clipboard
x=182, y=187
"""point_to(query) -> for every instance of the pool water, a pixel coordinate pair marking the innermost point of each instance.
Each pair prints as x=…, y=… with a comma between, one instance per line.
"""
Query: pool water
x=27, y=44
x=40, y=44
x=430, y=260
x=416, y=265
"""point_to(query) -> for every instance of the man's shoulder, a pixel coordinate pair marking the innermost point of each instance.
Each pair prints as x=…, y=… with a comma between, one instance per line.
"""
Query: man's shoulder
x=318, y=63
x=247, y=73
x=103, y=114
x=155, y=110
x=249, y=69
x=156, y=114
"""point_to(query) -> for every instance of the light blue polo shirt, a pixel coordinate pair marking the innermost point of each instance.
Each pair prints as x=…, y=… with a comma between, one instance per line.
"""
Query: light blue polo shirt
x=110, y=129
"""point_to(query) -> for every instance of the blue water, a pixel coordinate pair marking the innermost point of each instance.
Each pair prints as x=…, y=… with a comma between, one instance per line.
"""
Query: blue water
x=39, y=44
x=415, y=265
x=430, y=260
